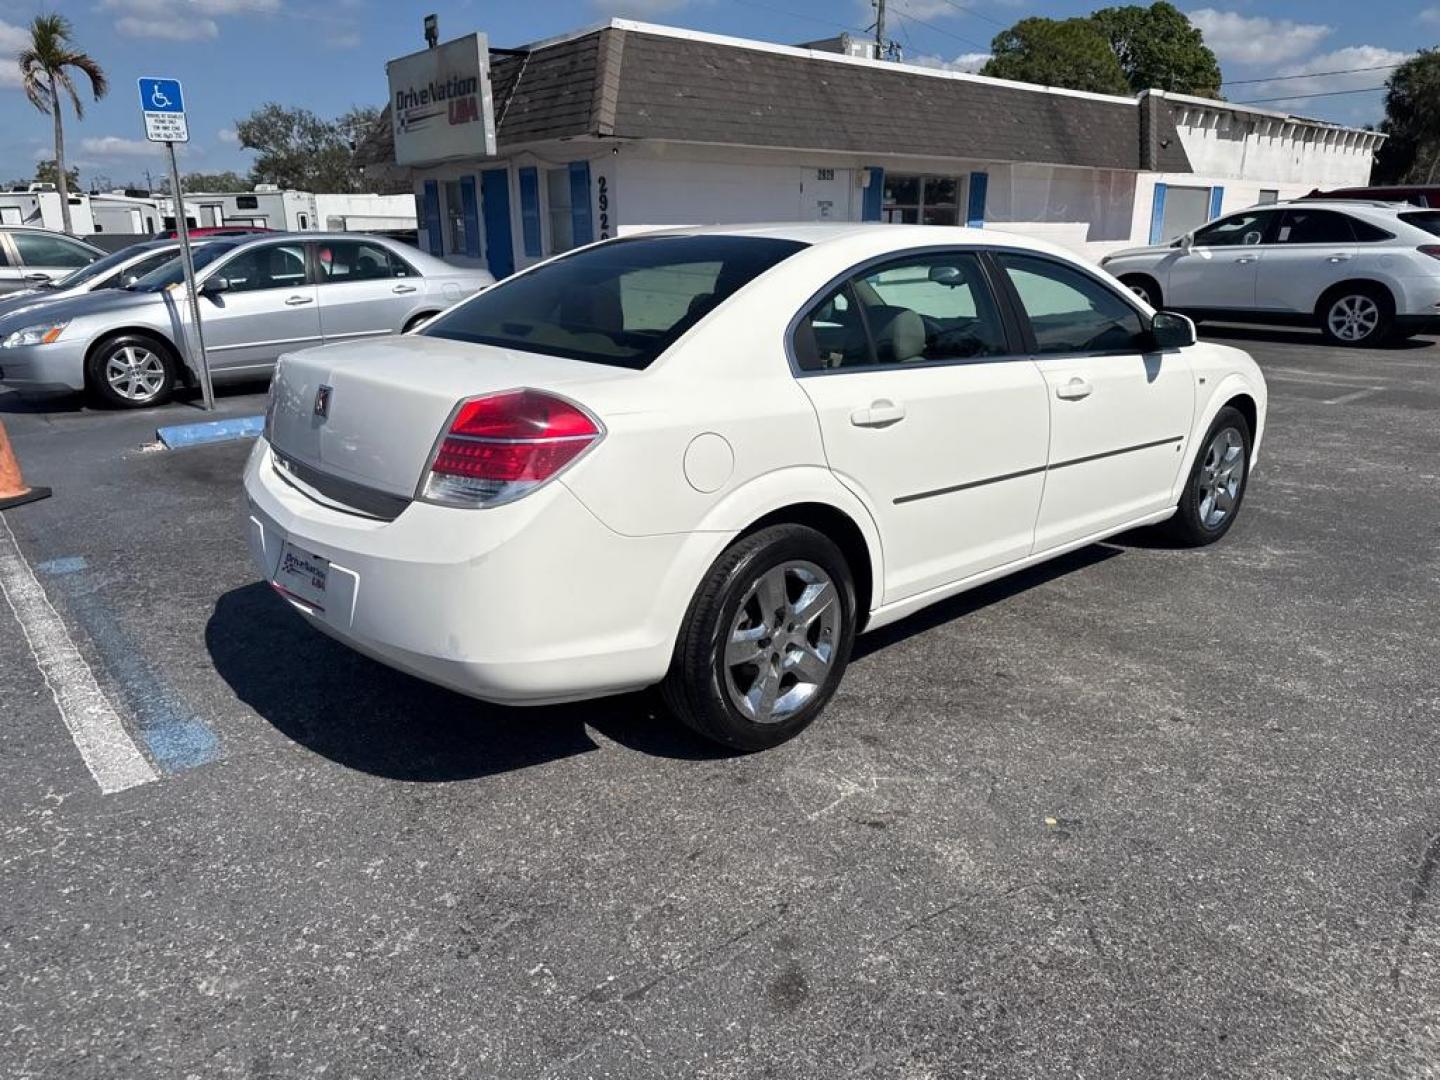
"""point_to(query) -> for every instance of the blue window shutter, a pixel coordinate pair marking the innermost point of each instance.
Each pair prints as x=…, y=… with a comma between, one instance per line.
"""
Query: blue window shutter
x=495, y=202
x=530, y=209
x=1157, y=215
x=979, y=186
x=580, y=219
x=874, y=194
x=470, y=207
x=1217, y=197
x=434, y=242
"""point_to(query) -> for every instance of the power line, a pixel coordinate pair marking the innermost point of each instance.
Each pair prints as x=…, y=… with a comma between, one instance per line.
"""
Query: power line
x=977, y=14
x=1309, y=75
x=1296, y=97
x=806, y=18
x=940, y=29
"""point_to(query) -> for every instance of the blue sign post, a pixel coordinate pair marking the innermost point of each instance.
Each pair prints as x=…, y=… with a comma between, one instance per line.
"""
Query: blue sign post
x=162, y=102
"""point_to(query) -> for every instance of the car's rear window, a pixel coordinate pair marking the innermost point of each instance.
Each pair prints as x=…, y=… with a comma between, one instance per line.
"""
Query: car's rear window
x=621, y=303
x=1429, y=220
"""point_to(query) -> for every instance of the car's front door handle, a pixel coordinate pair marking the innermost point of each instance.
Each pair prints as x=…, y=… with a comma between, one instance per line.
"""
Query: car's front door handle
x=1338, y=258
x=296, y=301
x=1246, y=258
x=1074, y=390
x=881, y=413
x=403, y=288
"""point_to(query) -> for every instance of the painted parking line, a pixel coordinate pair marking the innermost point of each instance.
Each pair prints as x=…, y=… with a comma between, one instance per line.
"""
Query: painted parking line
x=176, y=436
x=176, y=738
x=109, y=753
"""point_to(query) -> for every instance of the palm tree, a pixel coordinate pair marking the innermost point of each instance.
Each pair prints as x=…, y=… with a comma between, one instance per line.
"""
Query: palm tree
x=42, y=69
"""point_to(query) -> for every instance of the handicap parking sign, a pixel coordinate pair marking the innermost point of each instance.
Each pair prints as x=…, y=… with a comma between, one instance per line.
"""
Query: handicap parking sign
x=163, y=103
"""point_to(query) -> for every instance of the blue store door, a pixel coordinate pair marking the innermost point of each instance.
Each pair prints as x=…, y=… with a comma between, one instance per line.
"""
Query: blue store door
x=495, y=205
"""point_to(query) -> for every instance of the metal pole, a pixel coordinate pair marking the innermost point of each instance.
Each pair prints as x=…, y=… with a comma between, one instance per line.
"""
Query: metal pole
x=879, y=29
x=184, y=231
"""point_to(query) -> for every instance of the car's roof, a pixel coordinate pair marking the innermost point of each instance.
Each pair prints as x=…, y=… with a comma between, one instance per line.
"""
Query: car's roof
x=1382, y=205
x=822, y=232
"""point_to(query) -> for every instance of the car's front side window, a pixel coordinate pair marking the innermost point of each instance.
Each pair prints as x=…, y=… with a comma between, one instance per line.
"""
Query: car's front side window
x=1241, y=230
x=273, y=267
x=1069, y=311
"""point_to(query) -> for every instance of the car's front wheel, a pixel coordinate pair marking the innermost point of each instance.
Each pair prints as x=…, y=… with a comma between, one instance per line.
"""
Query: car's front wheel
x=1216, y=484
x=766, y=639
x=132, y=371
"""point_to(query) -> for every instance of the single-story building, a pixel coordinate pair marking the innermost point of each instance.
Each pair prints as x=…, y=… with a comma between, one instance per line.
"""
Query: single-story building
x=628, y=126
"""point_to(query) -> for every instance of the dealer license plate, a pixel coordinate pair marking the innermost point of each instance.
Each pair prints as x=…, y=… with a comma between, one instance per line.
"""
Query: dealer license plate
x=302, y=575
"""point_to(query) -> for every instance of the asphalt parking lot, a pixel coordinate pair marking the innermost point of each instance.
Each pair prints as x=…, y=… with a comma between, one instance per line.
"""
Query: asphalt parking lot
x=1138, y=813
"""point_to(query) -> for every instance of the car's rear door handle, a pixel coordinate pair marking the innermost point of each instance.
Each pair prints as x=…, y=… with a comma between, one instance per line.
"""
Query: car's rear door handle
x=403, y=288
x=1338, y=258
x=1074, y=390
x=296, y=301
x=882, y=413
x=1247, y=258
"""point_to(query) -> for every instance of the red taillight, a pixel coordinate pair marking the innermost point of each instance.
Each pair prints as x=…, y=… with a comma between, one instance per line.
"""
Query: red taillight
x=1433, y=250
x=502, y=446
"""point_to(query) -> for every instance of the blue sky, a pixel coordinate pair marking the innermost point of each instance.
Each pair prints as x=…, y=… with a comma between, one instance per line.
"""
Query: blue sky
x=234, y=55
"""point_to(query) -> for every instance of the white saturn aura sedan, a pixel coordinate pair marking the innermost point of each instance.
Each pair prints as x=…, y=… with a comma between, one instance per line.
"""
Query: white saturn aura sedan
x=708, y=458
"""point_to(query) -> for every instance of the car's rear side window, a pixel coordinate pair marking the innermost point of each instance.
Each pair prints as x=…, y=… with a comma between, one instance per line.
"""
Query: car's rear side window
x=1429, y=220
x=621, y=303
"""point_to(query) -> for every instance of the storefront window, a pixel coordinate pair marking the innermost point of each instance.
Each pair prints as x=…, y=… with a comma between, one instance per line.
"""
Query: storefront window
x=454, y=218
x=557, y=199
x=921, y=200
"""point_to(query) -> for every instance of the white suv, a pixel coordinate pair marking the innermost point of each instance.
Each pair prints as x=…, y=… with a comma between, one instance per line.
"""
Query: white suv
x=1360, y=271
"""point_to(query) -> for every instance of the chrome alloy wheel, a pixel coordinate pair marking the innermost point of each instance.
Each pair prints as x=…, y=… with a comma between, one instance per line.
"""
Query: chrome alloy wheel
x=782, y=641
x=135, y=372
x=1353, y=318
x=1221, y=474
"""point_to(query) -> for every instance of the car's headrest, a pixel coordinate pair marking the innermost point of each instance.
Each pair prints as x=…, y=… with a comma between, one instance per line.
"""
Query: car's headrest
x=899, y=334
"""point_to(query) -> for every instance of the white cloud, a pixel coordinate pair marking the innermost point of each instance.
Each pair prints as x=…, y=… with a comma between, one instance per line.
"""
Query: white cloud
x=1247, y=39
x=1430, y=16
x=228, y=137
x=115, y=146
x=971, y=62
x=12, y=40
x=180, y=20
x=1345, y=61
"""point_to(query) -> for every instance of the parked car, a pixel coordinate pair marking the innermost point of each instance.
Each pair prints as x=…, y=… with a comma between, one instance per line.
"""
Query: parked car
x=258, y=297
x=217, y=230
x=31, y=256
x=708, y=458
x=1426, y=195
x=121, y=268
x=1360, y=271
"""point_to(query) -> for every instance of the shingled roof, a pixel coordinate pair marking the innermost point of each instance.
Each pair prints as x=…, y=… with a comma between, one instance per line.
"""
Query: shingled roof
x=631, y=81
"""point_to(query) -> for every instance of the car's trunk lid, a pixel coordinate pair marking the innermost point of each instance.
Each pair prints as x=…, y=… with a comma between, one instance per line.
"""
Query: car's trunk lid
x=388, y=401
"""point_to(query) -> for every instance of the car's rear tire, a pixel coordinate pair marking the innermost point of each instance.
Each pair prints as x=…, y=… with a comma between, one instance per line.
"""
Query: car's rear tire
x=1147, y=288
x=1356, y=316
x=1216, y=484
x=766, y=639
x=132, y=371
x=416, y=320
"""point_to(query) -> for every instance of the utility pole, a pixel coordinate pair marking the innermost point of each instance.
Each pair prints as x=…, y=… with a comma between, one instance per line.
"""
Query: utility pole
x=879, y=29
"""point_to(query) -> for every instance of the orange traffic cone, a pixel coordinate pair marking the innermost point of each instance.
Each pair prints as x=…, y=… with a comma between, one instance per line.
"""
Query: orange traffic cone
x=13, y=491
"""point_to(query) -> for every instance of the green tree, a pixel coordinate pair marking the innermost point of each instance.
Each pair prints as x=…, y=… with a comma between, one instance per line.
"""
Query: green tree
x=1159, y=49
x=47, y=173
x=297, y=149
x=221, y=181
x=1072, y=53
x=44, y=64
x=1411, y=154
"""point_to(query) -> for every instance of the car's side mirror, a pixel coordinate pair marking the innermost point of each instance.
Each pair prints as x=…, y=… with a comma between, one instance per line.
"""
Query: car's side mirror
x=1169, y=330
x=947, y=275
x=214, y=286
x=38, y=279
x=126, y=280
x=1187, y=242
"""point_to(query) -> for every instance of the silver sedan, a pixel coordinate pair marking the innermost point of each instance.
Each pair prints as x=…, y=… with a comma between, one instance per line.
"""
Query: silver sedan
x=258, y=298
x=114, y=271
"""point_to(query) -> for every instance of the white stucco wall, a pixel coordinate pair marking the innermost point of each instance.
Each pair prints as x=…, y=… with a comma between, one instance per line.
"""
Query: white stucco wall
x=1234, y=148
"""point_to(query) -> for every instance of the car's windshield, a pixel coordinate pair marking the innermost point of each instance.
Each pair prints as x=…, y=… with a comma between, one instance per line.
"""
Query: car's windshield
x=173, y=272
x=98, y=268
x=621, y=303
x=1429, y=220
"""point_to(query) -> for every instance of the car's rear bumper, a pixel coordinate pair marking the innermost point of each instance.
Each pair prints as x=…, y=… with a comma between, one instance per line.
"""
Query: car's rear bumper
x=530, y=603
x=57, y=366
